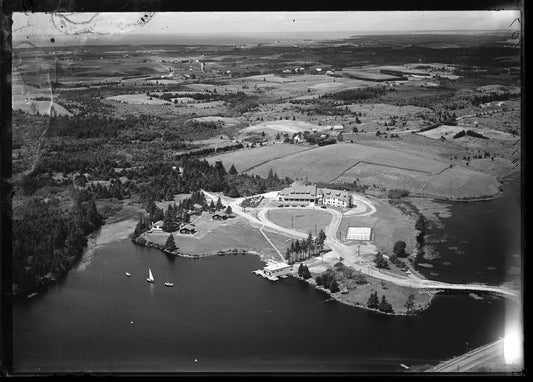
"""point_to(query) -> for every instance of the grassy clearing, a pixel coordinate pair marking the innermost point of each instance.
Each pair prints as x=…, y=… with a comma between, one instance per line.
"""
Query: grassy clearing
x=358, y=294
x=388, y=224
x=214, y=236
x=243, y=159
x=137, y=99
x=328, y=162
x=304, y=220
x=284, y=126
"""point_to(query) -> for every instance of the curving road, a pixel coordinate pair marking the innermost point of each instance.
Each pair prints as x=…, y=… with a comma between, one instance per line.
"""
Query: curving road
x=349, y=254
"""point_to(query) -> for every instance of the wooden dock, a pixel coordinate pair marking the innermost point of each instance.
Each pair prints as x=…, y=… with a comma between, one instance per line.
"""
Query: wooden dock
x=260, y=272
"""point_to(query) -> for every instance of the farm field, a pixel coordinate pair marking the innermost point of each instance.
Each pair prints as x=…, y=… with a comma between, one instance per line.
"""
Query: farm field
x=284, y=126
x=329, y=162
x=385, y=168
x=135, y=99
x=304, y=220
x=247, y=158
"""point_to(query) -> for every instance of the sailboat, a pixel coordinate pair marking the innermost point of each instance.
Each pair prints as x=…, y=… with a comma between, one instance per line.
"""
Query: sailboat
x=150, y=278
x=168, y=283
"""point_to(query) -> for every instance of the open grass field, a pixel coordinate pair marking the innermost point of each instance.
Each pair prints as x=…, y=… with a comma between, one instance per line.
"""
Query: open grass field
x=327, y=163
x=386, y=168
x=247, y=158
x=283, y=126
x=223, y=120
x=303, y=220
x=41, y=107
x=136, y=99
x=388, y=224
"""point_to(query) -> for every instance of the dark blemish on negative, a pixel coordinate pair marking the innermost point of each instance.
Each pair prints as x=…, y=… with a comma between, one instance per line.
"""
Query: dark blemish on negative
x=52, y=40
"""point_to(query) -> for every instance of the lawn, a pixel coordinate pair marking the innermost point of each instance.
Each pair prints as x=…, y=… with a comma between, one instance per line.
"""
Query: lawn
x=214, y=236
x=303, y=220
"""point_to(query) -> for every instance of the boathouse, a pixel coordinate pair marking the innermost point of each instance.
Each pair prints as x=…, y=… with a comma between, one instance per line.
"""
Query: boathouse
x=275, y=269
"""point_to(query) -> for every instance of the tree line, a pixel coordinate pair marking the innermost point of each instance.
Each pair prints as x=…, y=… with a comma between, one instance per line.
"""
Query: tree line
x=303, y=249
x=48, y=241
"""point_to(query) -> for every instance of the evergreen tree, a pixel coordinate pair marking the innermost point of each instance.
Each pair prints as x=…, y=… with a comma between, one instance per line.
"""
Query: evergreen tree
x=219, y=204
x=229, y=211
x=306, y=273
x=333, y=286
x=232, y=170
x=384, y=306
x=170, y=244
x=373, y=300
x=301, y=270
x=212, y=205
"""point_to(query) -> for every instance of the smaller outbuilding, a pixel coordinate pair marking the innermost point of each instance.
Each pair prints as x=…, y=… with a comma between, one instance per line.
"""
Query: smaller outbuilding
x=220, y=216
x=188, y=229
x=157, y=226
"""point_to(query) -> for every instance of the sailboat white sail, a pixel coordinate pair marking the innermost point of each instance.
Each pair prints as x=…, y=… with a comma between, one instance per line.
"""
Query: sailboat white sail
x=150, y=278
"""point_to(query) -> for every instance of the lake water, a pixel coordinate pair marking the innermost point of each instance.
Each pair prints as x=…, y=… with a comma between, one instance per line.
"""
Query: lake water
x=220, y=317
x=482, y=239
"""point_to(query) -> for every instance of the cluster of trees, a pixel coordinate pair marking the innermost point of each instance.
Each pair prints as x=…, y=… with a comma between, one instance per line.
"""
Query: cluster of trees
x=394, y=259
x=48, y=241
x=471, y=133
x=305, y=248
x=116, y=189
x=303, y=272
x=327, y=280
x=356, y=95
x=381, y=261
x=89, y=126
x=173, y=216
x=397, y=193
x=478, y=99
x=163, y=181
x=383, y=305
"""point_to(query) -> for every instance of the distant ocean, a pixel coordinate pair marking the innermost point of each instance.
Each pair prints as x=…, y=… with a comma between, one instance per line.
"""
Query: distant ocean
x=209, y=39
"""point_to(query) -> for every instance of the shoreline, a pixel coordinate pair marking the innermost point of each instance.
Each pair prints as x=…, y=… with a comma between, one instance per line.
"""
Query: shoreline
x=337, y=296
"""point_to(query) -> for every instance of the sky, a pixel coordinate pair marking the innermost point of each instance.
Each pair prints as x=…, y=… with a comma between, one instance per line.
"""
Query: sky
x=35, y=26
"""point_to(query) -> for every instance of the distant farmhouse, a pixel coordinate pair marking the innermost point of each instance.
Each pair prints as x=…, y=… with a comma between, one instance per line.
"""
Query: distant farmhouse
x=319, y=196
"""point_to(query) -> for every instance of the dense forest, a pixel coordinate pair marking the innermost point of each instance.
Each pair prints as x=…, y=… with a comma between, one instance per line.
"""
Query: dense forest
x=47, y=241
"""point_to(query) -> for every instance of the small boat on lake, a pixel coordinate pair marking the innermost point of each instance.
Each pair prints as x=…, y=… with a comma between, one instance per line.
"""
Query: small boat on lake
x=168, y=283
x=150, y=278
x=128, y=274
